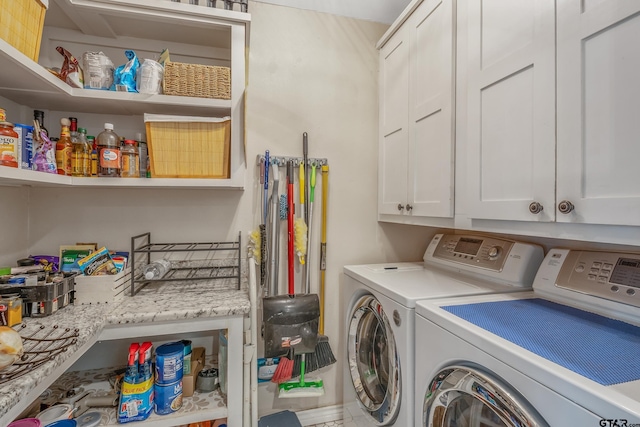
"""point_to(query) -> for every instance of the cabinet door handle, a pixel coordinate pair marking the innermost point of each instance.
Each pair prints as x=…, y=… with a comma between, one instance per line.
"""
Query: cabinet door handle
x=400, y=206
x=409, y=207
x=535, y=208
x=565, y=207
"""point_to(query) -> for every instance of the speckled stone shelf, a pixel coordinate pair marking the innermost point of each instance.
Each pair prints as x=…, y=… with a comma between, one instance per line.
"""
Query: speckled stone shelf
x=160, y=303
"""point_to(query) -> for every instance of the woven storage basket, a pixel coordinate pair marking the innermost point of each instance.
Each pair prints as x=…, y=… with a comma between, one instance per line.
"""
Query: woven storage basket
x=188, y=147
x=21, y=24
x=201, y=81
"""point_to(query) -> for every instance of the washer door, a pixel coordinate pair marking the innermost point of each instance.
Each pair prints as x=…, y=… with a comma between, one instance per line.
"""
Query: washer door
x=373, y=361
x=464, y=397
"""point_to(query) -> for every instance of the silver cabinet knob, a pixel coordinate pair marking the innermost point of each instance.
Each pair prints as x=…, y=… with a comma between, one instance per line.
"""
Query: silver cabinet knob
x=565, y=207
x=400, y=206
x=535, y=208
x=409, y=207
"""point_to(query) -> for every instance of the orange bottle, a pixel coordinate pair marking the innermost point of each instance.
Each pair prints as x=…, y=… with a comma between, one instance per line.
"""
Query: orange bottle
x=64, y=148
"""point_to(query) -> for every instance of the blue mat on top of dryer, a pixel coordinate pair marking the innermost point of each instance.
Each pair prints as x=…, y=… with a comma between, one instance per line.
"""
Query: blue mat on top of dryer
x=601, y=349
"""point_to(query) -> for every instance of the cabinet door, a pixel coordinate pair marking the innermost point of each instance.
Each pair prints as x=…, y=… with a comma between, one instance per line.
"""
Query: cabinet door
x=511, y=109
x=394, y=132
x=599, y=111
x=431, y=143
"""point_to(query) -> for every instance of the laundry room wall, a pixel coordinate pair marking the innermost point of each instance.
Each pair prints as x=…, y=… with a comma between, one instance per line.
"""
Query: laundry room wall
x=308, y=72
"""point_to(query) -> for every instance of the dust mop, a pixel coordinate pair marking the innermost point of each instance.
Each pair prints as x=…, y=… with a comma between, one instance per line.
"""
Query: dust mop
x=301, y=388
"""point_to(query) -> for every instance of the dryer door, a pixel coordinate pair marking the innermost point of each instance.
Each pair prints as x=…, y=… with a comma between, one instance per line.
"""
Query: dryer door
x=465, y=397
x=373, y=361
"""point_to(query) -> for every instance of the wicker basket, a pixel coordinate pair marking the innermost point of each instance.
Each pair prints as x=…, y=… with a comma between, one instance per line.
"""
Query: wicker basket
x=201, y=81
x=21, y=24
x=188, y=147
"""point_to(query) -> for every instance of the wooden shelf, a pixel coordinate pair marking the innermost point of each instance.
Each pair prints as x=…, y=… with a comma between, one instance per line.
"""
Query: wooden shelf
x=208, y=34
x=28, y=83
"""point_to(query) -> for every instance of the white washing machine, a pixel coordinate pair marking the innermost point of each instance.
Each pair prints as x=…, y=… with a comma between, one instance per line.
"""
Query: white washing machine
x=380, y=300
x=565, y=354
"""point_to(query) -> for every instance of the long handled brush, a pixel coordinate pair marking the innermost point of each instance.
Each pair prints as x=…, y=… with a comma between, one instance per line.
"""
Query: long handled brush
x=323, y=355
x=324, y=348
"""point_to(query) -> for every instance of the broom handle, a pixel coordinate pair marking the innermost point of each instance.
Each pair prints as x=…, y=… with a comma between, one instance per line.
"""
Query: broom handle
x=303, y=365
x=291, y=237
x=323, y=244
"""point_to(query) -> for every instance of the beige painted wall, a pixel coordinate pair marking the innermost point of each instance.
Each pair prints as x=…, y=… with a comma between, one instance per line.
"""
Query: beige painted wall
x=317, y=73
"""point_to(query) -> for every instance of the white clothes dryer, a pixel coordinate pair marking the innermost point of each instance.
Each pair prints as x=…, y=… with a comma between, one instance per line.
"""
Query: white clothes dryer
x=564, y=354
x=379, y=328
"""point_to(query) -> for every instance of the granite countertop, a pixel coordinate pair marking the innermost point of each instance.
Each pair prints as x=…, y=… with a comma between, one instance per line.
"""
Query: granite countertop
x=159, y=302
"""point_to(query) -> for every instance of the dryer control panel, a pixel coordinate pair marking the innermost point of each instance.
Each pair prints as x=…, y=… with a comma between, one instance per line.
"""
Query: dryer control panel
x=499, y=259
x=611, y=275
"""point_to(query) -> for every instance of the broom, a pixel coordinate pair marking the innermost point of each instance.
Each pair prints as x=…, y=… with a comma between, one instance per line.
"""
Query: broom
x=285, y=366
x=323, y=355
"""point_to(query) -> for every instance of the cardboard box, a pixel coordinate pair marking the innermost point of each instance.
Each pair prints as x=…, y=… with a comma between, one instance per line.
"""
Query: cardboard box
x=197, y=364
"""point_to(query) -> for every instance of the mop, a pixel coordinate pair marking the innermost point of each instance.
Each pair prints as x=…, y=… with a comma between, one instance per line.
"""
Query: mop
x=302, y=387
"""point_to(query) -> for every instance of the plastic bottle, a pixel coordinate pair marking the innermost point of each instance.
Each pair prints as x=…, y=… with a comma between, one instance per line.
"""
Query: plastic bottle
x=73, y=129
x=143, y=155
x=108, y=143
x=130, y=160
x=157, y=269
x=64, y=148
x=93, y=160
x=81, y=155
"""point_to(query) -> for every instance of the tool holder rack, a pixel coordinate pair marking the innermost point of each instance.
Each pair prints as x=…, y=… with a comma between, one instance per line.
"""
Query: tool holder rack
x=202, y=263
x=297, y=161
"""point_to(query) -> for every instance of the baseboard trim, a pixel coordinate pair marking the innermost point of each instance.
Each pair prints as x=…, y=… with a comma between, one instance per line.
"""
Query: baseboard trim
x=320, y=415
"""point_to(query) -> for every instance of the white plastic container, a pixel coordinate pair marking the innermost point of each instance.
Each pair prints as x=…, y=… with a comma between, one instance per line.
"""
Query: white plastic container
x=149, y=78
x=157, y=269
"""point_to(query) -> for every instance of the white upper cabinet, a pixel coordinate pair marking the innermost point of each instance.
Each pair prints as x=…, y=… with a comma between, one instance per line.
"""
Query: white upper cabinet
x=416, y=114
x=511, y=109
x=552, y=111
x=599, y=112
x=394, y=124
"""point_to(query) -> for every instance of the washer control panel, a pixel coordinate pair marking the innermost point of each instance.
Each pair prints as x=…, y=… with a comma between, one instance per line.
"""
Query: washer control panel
x=491, y=258
x=611, y=275
x=478, y=251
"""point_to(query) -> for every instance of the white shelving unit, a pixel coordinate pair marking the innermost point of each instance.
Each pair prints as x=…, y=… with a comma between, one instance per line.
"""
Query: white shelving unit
x=213, y=405
x=193, y=34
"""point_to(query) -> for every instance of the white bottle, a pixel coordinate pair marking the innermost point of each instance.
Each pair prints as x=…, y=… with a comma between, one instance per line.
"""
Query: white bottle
x=157, y=269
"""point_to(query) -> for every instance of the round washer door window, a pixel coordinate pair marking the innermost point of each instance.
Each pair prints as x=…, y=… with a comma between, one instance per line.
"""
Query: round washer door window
x=373, y=361
x=465, y=397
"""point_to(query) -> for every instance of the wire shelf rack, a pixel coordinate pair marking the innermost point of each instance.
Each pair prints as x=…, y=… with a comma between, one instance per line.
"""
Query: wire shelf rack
x=190, y=262
x=39, y=346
